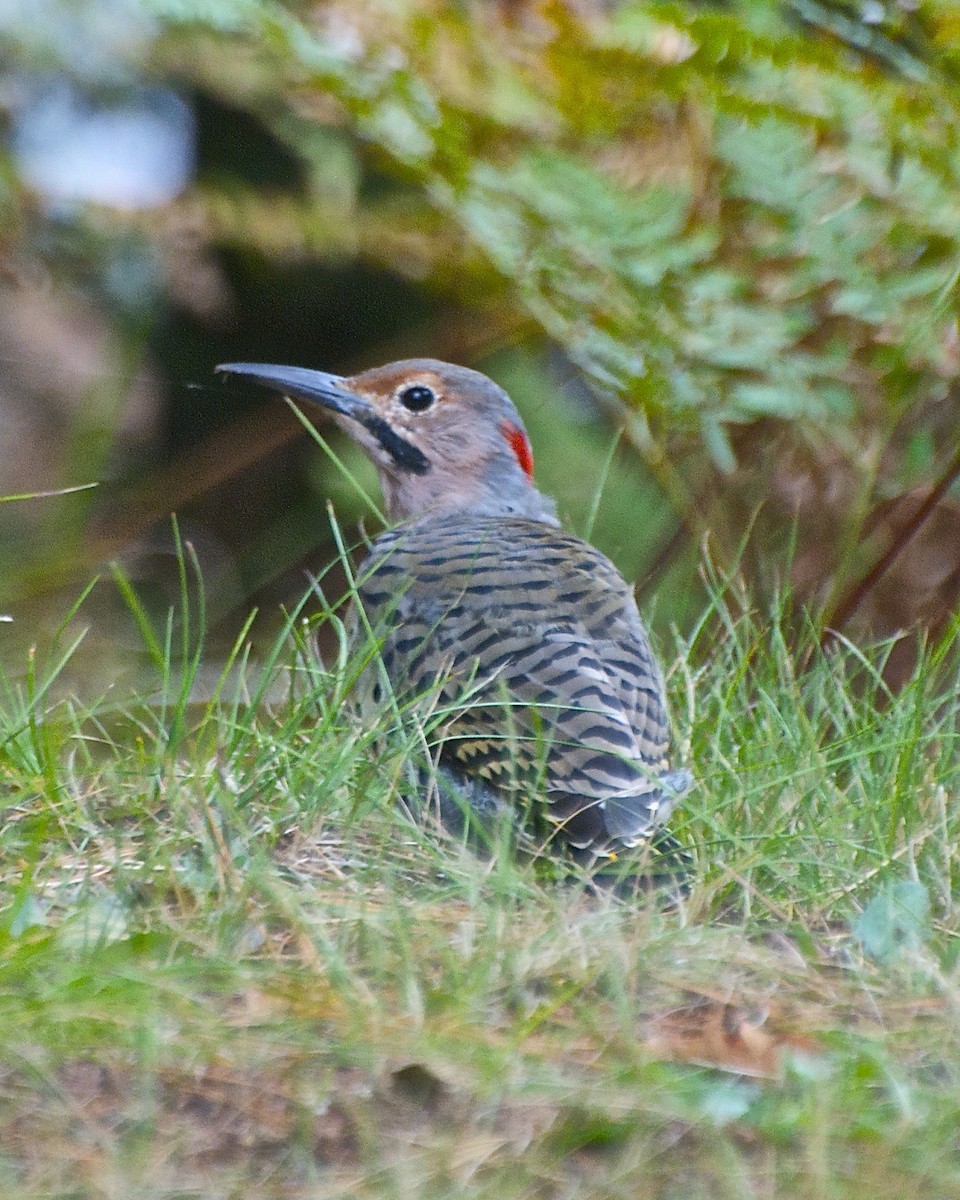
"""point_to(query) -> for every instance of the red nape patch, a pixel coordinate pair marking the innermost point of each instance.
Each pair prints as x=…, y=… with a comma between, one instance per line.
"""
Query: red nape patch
x=520, y=445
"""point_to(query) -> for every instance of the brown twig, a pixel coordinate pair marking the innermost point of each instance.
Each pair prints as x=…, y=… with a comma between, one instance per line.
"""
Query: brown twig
x=662, y=558
x=849, y=603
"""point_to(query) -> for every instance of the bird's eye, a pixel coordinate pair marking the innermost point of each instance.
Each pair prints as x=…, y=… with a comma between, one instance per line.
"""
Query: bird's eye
x=417, y=398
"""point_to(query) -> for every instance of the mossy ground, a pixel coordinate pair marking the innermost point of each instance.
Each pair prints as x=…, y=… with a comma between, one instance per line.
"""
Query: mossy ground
x=230, y=966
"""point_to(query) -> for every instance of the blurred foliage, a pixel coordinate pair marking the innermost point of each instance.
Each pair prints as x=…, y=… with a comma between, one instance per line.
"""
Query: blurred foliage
x=719, y=217
x=741, y=222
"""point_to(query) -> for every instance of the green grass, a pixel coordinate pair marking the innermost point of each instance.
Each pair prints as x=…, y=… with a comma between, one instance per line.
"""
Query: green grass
x=229, y=966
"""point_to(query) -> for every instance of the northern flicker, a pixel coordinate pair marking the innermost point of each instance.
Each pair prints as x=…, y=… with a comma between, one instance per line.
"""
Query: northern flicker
x=528, y=637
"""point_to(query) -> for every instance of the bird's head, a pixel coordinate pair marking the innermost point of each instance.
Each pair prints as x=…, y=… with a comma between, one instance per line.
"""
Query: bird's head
x=443, y=438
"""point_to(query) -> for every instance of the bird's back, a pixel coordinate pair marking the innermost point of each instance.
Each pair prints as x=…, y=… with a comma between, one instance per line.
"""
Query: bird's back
x=528, y=643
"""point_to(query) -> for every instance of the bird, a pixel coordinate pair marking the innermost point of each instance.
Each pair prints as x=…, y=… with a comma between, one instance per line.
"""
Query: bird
x=523, y=640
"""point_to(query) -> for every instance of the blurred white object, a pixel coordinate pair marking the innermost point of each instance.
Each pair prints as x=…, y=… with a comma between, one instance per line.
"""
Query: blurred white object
x=133, y=150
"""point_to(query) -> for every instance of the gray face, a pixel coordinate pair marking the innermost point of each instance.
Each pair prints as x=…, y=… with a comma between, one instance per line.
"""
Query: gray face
x=443, y=437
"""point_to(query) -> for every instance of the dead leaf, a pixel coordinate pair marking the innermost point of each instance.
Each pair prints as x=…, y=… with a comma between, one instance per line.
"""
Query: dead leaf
x=727, y=1037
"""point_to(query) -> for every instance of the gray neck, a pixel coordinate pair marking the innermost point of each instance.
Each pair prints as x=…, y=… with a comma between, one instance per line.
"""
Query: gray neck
x=438, y=494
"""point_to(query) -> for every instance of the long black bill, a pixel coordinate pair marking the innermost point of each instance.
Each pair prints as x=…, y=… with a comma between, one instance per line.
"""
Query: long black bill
x=317, y=387
x=300, y=383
